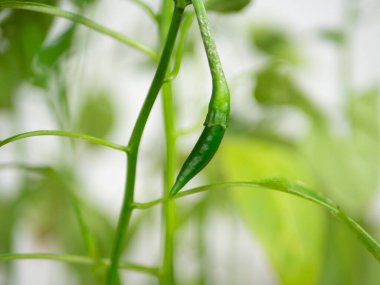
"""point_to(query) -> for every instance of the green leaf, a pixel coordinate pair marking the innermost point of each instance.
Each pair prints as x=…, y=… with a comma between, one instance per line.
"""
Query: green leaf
x=290, y=230
x=363, y=112
x=226, y=6
x=276, y=43
x=23, y=34
x=275, y=87
x=49, y=55
x=97, y=115
x=350, y=175
x=77, y=18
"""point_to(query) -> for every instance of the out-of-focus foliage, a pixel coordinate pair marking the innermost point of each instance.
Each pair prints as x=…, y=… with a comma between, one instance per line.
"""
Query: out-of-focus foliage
x=291, y=231
x=96, y=115
x=303, y=244
x=276, y=87
x=22, y=34
x=335, y=36
x=227, y=6
x=47, y=58
x=275, y=43
x=351, y=173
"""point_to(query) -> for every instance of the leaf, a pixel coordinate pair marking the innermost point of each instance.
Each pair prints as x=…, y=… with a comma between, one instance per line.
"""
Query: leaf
x=77, y=18
x=350, y=175
x=363, y=112
x=49, y=55
x=276, y=43
x=290, y=231
x=97, y=115
x=226, y=6
x=275, y=87
x=23, y=34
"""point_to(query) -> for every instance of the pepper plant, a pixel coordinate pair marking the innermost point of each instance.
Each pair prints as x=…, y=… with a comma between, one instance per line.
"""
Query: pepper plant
x=102, y=245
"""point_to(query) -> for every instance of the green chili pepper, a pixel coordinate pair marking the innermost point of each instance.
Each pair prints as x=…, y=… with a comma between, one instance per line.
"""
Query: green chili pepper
x=218, y=112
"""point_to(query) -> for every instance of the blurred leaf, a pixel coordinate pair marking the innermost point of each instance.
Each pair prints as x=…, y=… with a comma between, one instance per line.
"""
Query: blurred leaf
x=8, y=220
x=350, y=175
x=226, y=6
x=83, y=3
x=275, y=87
x=346, y=261
x=22, y=34
x=97, y=115
x=333, y=35
x=291, y=231
x=275, y=43
x=50, y=210
x=7, y=209
x=363, y=113
x=48, y=56
x=45, y=196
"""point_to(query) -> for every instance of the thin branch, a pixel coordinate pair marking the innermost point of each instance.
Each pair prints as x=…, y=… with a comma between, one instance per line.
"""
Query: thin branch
x=54, y=11
x=188, y=20
x=147, y=9
x=283, y=185
x=25, y=166
x=64, y=134
x=75, y=259
x=134, y=144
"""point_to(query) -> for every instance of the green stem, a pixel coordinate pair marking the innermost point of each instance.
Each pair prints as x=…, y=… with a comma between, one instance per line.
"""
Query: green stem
x=168, y=207
x=219, y=107
x=134, y=144
x=271, y=184
x=209, y=43
x=188, y=20
x=283, y=185
x=76, y=259
x=54, y=11
x=64, y=134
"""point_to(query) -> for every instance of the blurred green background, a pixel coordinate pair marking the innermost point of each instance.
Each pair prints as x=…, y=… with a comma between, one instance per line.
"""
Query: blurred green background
x=305, y=105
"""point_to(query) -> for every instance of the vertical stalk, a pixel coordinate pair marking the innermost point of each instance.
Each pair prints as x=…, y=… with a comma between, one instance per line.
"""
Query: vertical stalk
x=168, y=206
x=216, y=69
x=219, y=107
x=134, y=143
x=168, y=211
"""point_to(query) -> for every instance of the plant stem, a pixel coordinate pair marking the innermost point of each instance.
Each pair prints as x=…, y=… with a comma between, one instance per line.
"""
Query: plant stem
x=283, y=185
x=216, y=69
x=64, y=134
x=76, y=259
x=276, y=183
x=168, y=206
x=168, y=209
x=219, y=107
x=51, y=10
x=134, y=144
x=188, y=20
